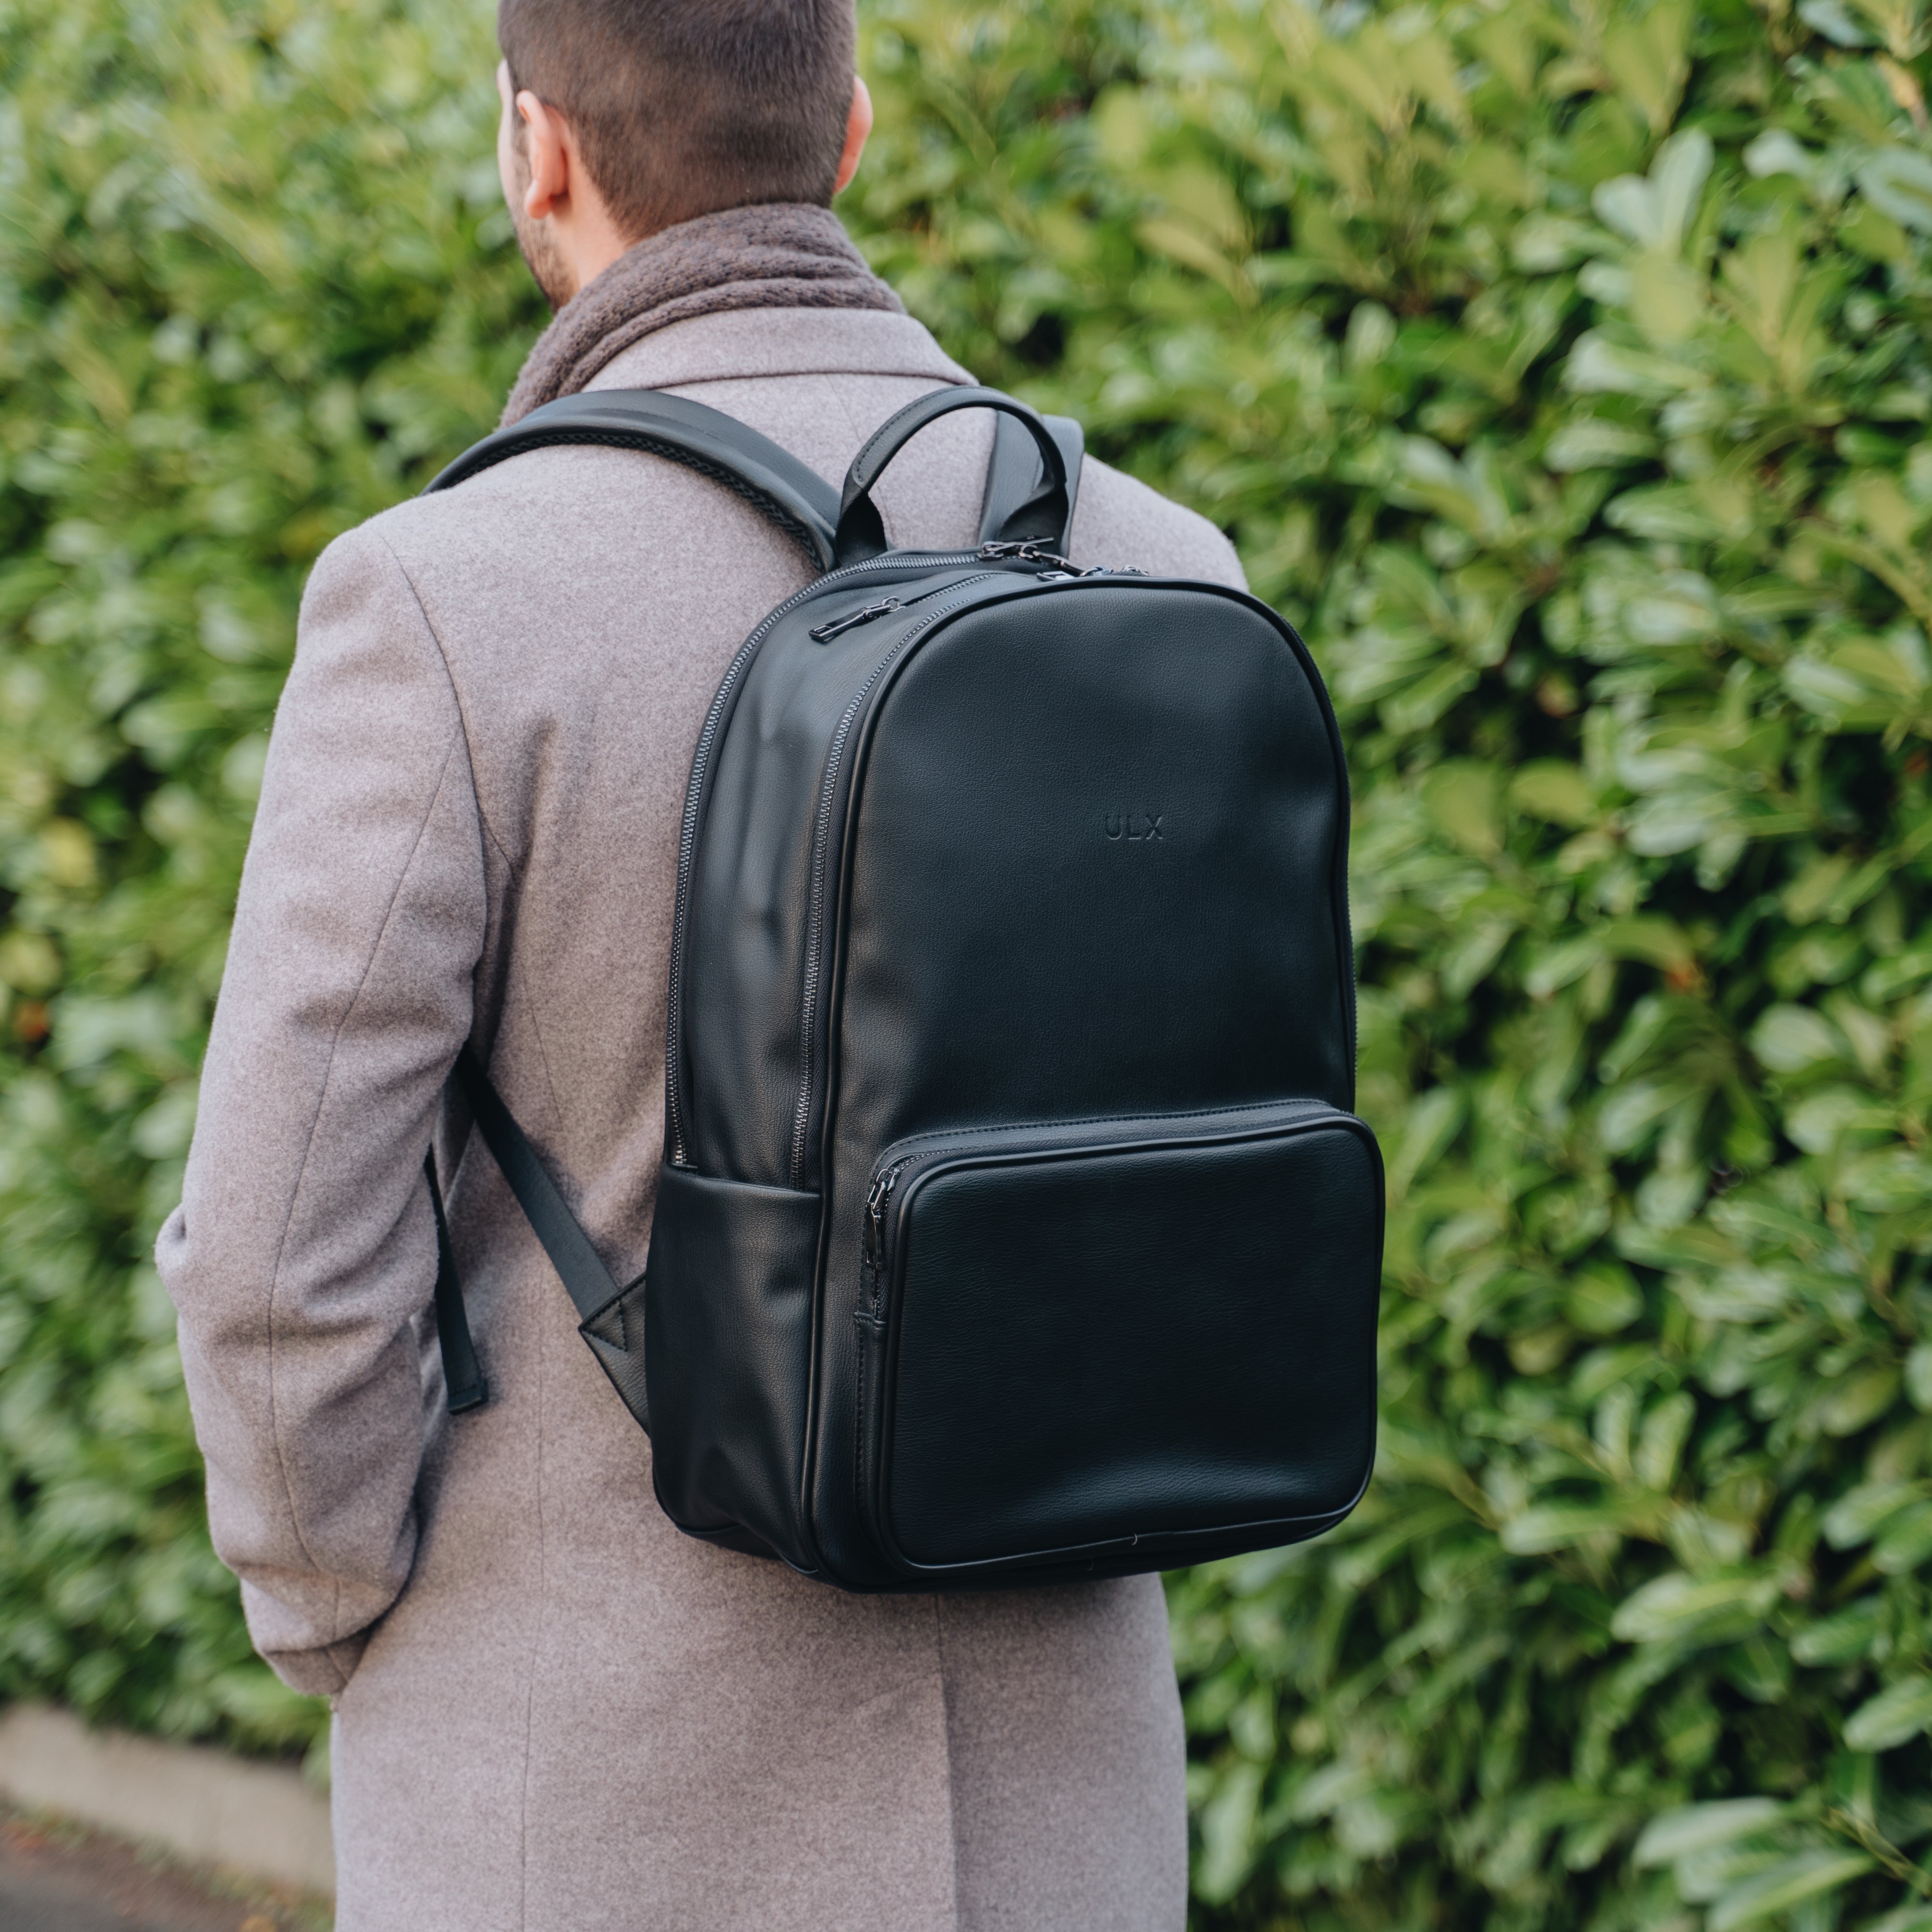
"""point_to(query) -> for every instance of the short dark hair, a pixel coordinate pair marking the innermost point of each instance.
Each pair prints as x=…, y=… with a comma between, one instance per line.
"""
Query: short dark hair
x=686, y=106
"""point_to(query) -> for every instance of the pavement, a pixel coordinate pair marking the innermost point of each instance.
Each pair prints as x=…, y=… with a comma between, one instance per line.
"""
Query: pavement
x=57, y=1878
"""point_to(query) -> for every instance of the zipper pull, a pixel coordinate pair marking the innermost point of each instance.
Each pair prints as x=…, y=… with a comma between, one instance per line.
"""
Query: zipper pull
x=875, y=1217
x=823, y=633
x=1032, y=551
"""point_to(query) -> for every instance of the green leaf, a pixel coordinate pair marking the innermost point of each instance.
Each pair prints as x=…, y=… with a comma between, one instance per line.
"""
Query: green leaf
x=1919, y=1376
x=1905, y=1543
x=1463, y=799
x=1672, y=1835
x=1656, y=941
x=1861, y=1512
x=1551, y=789
x=1655, y=212
x=1603, y=1299
x=1858, y=1399
x=1898, y=1715
x=1842, y=1639
x=1676, y=1606
x=1897, y=182
x=1788, y=1038
x=1227, y=1833
x=1433, y=1121
x=1808, y=1875
x=1595, y=444
x=1558, y=1526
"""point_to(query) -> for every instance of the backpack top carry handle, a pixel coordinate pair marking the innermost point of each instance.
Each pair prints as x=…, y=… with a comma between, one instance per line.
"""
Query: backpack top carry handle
x=862, y=536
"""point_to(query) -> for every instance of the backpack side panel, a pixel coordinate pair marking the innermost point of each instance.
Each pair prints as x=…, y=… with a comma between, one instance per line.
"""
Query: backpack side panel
x=727, y=1346
x=749, y=887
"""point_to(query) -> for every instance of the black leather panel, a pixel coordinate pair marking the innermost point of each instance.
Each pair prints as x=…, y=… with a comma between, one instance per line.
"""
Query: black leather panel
x=727, y=1309
x=1092, y=873
x=1005, y=960
x=1101, y=1347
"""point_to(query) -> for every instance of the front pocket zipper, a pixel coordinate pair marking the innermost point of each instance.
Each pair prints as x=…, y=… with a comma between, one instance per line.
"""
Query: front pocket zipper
x=1079, y=1339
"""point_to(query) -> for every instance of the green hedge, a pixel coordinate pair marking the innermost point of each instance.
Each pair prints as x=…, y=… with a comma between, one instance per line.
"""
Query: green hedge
x=1564, y=371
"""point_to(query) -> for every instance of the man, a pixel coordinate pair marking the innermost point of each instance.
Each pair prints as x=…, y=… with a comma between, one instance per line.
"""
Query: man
x=553, y=1712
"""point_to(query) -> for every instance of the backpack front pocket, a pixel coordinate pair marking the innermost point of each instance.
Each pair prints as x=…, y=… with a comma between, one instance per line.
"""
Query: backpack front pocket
x=1152, y=1335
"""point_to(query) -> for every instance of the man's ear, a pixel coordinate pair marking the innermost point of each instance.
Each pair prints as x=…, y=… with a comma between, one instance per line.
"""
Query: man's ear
x=549, y=155
x=858, y=126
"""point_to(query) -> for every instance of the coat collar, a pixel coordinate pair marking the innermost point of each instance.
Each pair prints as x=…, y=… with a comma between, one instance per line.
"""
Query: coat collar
x=780, y=342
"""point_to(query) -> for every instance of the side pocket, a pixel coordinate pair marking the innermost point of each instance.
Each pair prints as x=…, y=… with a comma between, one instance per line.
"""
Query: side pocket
x=727, y=1354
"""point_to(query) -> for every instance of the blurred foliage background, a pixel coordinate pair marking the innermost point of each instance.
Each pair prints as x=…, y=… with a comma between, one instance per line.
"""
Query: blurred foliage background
x=1562, y=367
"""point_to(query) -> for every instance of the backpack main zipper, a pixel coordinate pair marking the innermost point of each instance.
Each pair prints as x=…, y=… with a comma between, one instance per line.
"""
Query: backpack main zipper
x=821, y=832
x=694, y=797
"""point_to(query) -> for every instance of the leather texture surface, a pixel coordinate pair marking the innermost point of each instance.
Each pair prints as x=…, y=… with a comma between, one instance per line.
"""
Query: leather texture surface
x=1095, y=1347
x=1096, y=826
x=750, y=891
x=728, y=1327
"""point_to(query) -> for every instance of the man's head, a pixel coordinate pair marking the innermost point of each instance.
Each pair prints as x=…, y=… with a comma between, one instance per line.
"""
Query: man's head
x=621, y=117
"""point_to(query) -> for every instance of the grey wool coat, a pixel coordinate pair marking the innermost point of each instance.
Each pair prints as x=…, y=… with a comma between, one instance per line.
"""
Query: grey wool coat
x=554, y=1713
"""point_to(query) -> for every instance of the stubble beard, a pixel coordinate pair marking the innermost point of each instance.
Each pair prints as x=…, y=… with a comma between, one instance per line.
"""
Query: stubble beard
x=541, y=254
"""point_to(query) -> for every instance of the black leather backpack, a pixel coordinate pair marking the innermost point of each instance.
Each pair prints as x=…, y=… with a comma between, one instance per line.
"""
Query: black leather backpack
x=1013, y=1226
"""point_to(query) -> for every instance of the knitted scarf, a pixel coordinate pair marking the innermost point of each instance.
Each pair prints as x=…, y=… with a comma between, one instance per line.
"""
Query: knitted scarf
x=777, y=255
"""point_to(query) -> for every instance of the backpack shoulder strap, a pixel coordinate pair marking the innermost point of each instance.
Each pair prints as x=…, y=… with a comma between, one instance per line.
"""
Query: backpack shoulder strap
x=586, y=1279
x=799, y=500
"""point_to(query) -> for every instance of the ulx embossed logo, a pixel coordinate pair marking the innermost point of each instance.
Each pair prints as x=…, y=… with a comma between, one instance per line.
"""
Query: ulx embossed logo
x=1135, y=828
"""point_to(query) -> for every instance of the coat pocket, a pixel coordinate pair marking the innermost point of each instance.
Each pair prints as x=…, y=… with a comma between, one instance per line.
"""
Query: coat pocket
x=1135, y=1341
x=727, y=1329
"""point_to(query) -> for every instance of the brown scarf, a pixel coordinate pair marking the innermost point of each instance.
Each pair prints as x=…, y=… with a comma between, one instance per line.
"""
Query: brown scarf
x=777, y=255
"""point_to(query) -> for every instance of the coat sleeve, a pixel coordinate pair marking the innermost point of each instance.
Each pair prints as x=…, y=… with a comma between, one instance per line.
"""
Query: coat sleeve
x=304, y=1248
